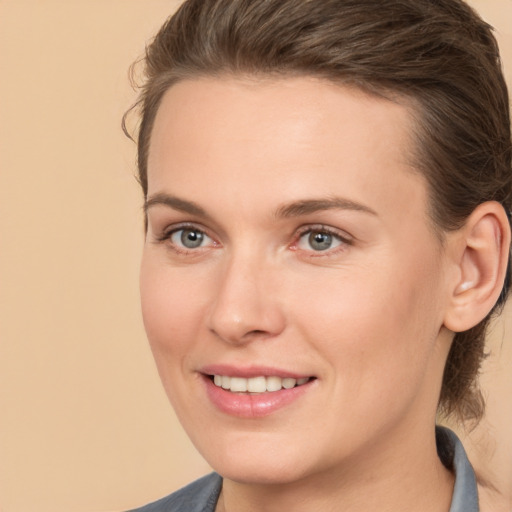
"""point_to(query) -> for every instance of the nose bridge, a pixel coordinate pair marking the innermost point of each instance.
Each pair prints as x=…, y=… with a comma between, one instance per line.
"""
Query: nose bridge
x=245, y=306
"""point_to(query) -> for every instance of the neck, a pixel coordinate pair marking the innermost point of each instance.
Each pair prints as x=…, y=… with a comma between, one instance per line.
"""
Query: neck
x=408, y=477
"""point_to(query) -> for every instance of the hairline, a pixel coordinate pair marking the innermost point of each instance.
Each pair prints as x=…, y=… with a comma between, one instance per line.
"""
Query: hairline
x=413, y=159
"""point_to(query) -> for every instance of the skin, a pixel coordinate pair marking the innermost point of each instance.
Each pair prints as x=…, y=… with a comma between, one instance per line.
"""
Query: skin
x=365, y=317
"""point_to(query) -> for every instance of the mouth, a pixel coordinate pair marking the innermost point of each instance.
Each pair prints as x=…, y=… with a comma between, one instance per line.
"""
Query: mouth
x=255, y=391
x=257, y=385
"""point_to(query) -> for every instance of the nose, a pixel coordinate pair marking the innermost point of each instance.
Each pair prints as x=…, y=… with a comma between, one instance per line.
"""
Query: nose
x=246, y=305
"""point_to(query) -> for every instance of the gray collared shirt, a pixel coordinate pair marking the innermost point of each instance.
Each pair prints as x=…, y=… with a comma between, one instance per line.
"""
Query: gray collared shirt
x=465, y=494
x=202, y=495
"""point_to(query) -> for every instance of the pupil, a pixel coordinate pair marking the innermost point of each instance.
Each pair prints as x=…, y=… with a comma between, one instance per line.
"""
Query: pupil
x=191, y=239
x=320, y=241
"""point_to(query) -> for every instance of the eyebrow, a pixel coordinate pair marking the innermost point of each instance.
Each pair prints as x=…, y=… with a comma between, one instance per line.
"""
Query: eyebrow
x=307, y=206
x=293, y=209
x=176, y=203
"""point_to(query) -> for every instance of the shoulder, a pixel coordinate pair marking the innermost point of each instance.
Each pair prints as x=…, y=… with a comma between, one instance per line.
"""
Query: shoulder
x=199, y=496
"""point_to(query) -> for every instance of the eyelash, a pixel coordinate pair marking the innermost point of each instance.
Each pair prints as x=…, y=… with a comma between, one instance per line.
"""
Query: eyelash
x=167, y=235
x=343, y=239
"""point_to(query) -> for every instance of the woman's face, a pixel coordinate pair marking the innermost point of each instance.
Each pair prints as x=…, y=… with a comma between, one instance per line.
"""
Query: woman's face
x=293, y=289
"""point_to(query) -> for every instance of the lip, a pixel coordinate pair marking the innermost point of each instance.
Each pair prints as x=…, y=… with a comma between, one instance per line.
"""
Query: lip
x=245, y=405
x=249, y=371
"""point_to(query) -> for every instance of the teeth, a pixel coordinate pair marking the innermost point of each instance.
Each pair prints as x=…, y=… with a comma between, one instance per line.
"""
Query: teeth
x=257, y=384
x=289, y=383
x=274, y=383
x=238, y=384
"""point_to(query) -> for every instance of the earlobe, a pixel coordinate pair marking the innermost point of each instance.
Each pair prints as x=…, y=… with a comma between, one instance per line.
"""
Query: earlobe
x=481, y=258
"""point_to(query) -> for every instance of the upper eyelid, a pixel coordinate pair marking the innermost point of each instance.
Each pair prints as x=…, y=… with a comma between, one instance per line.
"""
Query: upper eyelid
x=172, y=228
x=182, y=225
x=213, y=230
x=340, y=233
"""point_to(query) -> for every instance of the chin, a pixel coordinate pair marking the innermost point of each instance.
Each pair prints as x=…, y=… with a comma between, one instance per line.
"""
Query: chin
x=266, y=473
x=259, y=462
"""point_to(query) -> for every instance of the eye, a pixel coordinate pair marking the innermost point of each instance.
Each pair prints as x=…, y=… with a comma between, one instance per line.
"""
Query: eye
x=319, y=240
x=189, y=238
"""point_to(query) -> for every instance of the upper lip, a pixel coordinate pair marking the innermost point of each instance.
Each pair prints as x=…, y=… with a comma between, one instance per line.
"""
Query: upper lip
x=250, y=371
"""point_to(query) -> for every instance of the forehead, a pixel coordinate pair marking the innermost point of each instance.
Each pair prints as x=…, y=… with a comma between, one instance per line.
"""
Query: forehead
x=283, y=137
x=312, y=110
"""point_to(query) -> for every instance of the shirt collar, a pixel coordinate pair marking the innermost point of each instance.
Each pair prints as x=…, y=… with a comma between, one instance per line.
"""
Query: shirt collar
x=465, y=494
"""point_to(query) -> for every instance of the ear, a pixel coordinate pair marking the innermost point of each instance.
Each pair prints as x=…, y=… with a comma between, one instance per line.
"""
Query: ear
x=481, y=254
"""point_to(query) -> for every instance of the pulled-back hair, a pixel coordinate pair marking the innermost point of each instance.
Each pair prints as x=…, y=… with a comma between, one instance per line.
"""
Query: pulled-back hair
x=436, y=56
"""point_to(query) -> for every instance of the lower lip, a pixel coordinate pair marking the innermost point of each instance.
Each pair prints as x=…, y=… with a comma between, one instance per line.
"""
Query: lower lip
x=246, y=405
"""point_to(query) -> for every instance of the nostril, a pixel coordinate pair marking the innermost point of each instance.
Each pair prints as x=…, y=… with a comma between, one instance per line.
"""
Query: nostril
x=256, y=332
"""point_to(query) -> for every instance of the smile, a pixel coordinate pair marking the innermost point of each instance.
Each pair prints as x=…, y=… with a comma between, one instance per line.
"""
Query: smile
x=254, y=396
x=259, y=384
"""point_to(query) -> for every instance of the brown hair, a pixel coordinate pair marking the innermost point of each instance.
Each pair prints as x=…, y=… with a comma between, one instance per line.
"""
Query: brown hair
x=438, y=54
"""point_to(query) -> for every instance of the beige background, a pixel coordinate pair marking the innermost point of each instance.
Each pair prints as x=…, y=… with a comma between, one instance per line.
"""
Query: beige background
x=84, y=424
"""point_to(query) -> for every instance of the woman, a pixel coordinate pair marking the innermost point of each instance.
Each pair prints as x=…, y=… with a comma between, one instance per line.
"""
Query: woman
x=326, y=187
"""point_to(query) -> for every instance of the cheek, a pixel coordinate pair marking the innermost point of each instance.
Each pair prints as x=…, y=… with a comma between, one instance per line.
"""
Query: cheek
x=372, y=321
x=170, y=306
